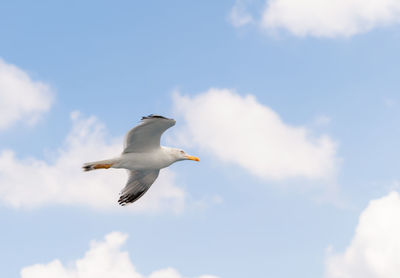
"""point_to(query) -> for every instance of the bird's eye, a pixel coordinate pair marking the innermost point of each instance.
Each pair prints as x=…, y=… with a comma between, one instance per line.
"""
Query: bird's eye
x=182, y=152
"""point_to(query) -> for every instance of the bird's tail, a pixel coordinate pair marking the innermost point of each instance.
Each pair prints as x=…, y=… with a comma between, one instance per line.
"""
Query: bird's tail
x=102, y=164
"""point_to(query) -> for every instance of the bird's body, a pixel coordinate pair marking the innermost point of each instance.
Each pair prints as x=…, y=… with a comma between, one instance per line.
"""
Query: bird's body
x=155, y=159
x=143, y=157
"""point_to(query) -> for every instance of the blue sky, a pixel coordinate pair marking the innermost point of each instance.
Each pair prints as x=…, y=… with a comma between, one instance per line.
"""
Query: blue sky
x=296, y=127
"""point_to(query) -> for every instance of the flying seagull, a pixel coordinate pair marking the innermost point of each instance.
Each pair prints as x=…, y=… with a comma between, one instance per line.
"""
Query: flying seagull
x=143, y=157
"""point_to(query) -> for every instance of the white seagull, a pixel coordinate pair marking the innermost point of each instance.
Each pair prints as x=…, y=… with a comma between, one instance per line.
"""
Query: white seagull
x=143, y=157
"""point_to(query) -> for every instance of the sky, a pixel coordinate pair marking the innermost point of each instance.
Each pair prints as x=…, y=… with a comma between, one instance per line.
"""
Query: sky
x=292, y=107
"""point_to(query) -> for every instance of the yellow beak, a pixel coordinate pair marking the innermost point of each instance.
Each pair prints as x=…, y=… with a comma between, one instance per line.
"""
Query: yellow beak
x=190, y=157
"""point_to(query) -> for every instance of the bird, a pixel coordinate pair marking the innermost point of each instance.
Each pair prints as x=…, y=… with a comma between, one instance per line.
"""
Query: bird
x=143, y=157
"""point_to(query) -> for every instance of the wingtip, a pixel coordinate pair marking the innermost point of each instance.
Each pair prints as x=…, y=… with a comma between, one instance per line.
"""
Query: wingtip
x=122, y=202
x=154, y=116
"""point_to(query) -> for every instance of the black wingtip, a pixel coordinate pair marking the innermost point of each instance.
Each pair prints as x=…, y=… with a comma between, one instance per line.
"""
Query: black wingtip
x=130, y=198
x=154, y=116
x=123, y=200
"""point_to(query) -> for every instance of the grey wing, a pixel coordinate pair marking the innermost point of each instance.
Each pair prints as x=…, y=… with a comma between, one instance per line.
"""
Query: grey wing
x=138, y=183
x=146, y=136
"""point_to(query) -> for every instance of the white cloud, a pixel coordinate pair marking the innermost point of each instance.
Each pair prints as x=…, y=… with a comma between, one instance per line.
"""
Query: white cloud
x=374, y=251
x=239, y=16
x=327, y=18
x=21, y=99
x=30, y=182
x=324, y=18
x=238, y=129
x=104, y=259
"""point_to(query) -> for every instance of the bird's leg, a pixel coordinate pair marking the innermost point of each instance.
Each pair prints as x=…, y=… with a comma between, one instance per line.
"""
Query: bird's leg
x=102, y=166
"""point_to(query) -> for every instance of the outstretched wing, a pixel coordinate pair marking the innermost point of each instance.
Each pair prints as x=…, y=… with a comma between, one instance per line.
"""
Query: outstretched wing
x=146, y=136
x=138, y=183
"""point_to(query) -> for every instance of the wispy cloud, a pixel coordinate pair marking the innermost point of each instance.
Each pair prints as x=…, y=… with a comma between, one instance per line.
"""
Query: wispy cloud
x=30, y=182
x=374, y=250
x=238, y=129
x=322, y=120
x=239, y=16
x=104, y=259
x=21, y=98
x=389, y=102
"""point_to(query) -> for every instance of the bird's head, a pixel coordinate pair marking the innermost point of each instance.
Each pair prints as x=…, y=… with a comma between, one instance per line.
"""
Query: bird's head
x=182, y=155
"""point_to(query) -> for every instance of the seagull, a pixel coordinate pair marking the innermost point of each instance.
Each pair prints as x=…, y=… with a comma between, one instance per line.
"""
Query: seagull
x=143, y=157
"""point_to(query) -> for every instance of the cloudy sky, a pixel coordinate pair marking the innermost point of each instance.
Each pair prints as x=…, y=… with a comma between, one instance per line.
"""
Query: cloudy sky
x=292, y=106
